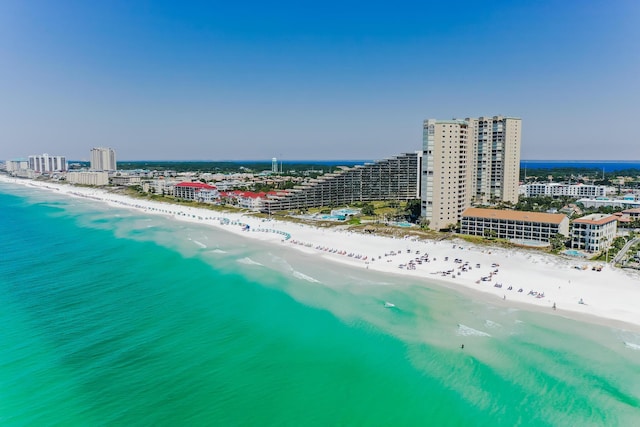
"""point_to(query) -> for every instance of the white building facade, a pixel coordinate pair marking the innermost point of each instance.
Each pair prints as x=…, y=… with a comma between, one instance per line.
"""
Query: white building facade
x=126, y=180
x=103, y=159
x=593, y=233
x=554, y=189
x=88, y=177
x=16, y=165
x=514, y=225
x=160, y=186
x=197, y=191
x=626, y=203
x=45, y=163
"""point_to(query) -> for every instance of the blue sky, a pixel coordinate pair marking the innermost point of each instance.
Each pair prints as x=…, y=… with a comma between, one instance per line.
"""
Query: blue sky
x=326, y=80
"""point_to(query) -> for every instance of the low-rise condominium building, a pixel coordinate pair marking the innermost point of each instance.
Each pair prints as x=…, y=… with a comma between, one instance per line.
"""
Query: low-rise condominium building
x=518, y=226
x=632, y=213
x=247, y=199
x=555, y=189
x=126, y=180
x=624, y=203
x=88, y=177
x=198, y=191
x=593, y=233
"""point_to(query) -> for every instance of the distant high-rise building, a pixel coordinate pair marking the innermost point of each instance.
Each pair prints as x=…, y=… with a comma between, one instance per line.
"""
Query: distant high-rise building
x=274, y=165
x=103, y=159
x=468, y=161
x=45, y=163
x=16, y=165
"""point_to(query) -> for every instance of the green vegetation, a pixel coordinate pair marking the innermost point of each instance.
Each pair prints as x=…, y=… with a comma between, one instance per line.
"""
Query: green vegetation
x=132, y=192
x=368, y=209
x=632, y=258
x=558, y=243
x=312, y=169
x=282, y=185
x=542, y=203
x=608, y=255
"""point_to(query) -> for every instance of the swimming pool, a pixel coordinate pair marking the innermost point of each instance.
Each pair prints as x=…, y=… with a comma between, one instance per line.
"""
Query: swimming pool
x=404, y=224
x=573, y=252
x=345, y=211
x=333, y=217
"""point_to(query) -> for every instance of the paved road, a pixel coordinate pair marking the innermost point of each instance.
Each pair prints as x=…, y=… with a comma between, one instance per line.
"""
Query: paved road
x=624, y=250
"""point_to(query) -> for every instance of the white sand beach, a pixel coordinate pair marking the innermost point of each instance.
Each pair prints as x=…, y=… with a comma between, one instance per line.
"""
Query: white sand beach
x=578, y=288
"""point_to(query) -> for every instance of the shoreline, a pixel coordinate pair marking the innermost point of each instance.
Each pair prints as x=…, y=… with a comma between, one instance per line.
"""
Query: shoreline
x=509, y=277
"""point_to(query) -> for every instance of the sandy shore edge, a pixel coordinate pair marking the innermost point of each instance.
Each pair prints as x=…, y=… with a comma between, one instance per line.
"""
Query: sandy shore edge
x=512, y=277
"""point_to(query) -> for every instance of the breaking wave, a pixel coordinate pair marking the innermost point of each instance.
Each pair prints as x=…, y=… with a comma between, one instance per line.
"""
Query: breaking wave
x=202, y=245
x=248, y=261
x=467, y=331
x=304, y=277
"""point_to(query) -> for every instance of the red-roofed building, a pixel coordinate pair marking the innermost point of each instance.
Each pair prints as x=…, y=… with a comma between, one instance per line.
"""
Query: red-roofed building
x=197, y=191
x=247, y=199
x=632, y=213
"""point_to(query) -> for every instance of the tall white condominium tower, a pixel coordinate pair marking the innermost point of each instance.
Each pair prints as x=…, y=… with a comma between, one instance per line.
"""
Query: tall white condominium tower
x=45, y=163
x=274, y=165
x=468, y=161
x=103, y=159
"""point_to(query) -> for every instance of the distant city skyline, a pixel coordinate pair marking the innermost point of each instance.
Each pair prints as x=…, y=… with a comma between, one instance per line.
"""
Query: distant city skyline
x=253, y=81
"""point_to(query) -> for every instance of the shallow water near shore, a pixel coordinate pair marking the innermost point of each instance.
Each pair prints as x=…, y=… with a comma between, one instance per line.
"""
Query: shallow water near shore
x=112, y=317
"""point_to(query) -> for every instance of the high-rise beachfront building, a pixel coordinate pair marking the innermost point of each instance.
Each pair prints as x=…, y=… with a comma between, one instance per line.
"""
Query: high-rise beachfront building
x=16, y=165
x=475, y=160
x=496, y=154
x=103, y=159
x=45, y=163
x=395, y=178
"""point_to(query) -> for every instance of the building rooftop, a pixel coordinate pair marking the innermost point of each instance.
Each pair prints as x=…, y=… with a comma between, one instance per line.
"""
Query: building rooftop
x=596, y=219
x=452, y=121
x=514, y=215
x=201, y=185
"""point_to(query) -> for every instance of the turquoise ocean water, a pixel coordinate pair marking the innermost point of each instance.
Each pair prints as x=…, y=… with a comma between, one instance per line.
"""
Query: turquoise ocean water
x=112, y=317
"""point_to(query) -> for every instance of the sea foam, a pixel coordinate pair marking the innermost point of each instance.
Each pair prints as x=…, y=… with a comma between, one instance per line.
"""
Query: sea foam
x=466, y=331
x=248, y=261
x=632, y=345
x=492, y=324
x=202, y=245
x=304, y=277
